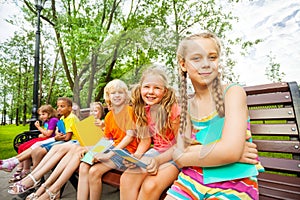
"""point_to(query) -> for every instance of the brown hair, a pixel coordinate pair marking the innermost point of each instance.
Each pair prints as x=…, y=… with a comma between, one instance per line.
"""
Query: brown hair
x=48, y=109
x=216, y=85
x=164, y=111
x=67, y=100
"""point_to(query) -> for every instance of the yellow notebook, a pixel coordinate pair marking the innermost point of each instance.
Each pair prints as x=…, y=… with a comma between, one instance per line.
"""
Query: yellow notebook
x=87, y=133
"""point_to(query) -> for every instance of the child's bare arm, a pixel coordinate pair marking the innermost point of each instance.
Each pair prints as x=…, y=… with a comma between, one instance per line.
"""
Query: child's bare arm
x=65, y=137
x=143, y=146
x=44, y=132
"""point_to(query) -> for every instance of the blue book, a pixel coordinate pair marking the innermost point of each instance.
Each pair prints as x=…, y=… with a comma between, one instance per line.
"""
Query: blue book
x=61, y=126
x=129, y=157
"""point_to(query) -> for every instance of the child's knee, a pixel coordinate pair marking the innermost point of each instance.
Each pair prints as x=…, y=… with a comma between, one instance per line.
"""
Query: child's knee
x=95, y=172
x=55, y=148
x=126, y=180
x=62, y=148
x=84, y=168
x=149, y=186
x=38, y=151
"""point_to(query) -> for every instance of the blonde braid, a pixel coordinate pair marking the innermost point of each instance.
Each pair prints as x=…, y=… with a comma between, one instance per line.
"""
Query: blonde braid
x=218, y=96
x=183, y=101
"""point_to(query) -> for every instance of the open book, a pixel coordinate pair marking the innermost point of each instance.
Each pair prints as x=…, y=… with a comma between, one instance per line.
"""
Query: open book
x=129, y=157
x=101, y=146
x=87, y=133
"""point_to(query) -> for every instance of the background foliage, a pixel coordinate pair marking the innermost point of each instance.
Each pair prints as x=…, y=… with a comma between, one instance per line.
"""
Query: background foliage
x=85, y=44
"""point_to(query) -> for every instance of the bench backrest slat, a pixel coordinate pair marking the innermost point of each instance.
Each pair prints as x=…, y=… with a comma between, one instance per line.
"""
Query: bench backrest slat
x=267, y=88
x=274, y=114
x=274, y=129
x=277, y=146
x=280, y=164
x=269, y=99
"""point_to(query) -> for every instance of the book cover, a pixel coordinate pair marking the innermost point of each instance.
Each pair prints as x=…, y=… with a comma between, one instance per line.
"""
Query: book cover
x=61, y=126
x=102, y=145
x=129, y=157
x=224, y=172
x=87, y=133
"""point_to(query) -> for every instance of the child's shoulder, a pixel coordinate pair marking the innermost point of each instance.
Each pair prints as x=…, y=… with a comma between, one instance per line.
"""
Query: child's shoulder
x=53, y=119
x=232, y=86
x=233, y=91
x=71, y=116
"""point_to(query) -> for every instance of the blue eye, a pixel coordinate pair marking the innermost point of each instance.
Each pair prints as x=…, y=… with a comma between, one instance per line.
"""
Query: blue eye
x=196, y=58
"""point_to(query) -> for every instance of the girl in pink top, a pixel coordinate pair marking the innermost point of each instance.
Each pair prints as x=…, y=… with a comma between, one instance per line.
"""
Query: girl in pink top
x=157, y=118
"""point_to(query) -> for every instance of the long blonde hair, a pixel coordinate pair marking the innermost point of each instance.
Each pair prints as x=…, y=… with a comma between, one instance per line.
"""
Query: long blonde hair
x=163, y=114
x=217, y=91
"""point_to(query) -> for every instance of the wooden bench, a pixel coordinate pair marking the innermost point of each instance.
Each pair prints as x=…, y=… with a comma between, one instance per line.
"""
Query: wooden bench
x=275, y=123
x=275, y=120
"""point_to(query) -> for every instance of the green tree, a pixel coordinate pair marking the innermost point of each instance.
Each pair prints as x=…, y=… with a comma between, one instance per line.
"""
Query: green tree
x=85, y=44
x=273, y=70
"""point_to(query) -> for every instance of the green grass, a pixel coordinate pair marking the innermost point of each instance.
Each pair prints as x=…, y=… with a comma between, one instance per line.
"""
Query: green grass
x=7, y=135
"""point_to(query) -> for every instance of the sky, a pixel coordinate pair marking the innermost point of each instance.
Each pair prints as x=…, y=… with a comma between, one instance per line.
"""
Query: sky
x=276, y=22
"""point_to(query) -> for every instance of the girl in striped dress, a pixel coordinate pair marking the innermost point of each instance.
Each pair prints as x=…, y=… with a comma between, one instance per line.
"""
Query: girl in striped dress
x=215, y=123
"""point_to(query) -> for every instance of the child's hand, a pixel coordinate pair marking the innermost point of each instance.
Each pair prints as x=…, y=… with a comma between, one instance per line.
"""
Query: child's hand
x=104, y=156
x=59, y=136
x=99, y=123
x=128, y=164
x=250, y=153
x=152, y=167
x=138, y=156
x=37, y=124
x=82, y=151
x=41, y=135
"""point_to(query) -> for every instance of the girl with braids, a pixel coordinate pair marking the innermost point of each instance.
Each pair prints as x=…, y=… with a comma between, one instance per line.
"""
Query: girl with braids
x=157, y=116
x=221, y=165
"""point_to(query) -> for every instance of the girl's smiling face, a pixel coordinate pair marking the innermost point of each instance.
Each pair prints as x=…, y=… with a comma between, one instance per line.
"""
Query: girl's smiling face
x=152, y=90
x=43, y=116
x=201, y=60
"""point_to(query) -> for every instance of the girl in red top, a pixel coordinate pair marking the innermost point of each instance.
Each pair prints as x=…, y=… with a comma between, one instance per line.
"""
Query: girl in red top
x=157, y=113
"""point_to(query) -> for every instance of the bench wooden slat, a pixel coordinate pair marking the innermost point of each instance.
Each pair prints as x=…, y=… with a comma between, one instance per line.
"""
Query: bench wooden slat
x=274, y=129
x=272, y=193
x=277, y=113
x=278, y=179
x=269, y=99
x=267, y=88
x=281, y=164
x=112, y=178
x=274, y=186
x=278, y=146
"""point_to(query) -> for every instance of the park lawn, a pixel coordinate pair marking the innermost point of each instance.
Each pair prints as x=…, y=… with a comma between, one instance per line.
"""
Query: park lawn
x=7, y=135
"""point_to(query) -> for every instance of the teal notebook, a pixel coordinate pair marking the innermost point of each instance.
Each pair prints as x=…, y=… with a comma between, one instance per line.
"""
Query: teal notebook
x=225, y=172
